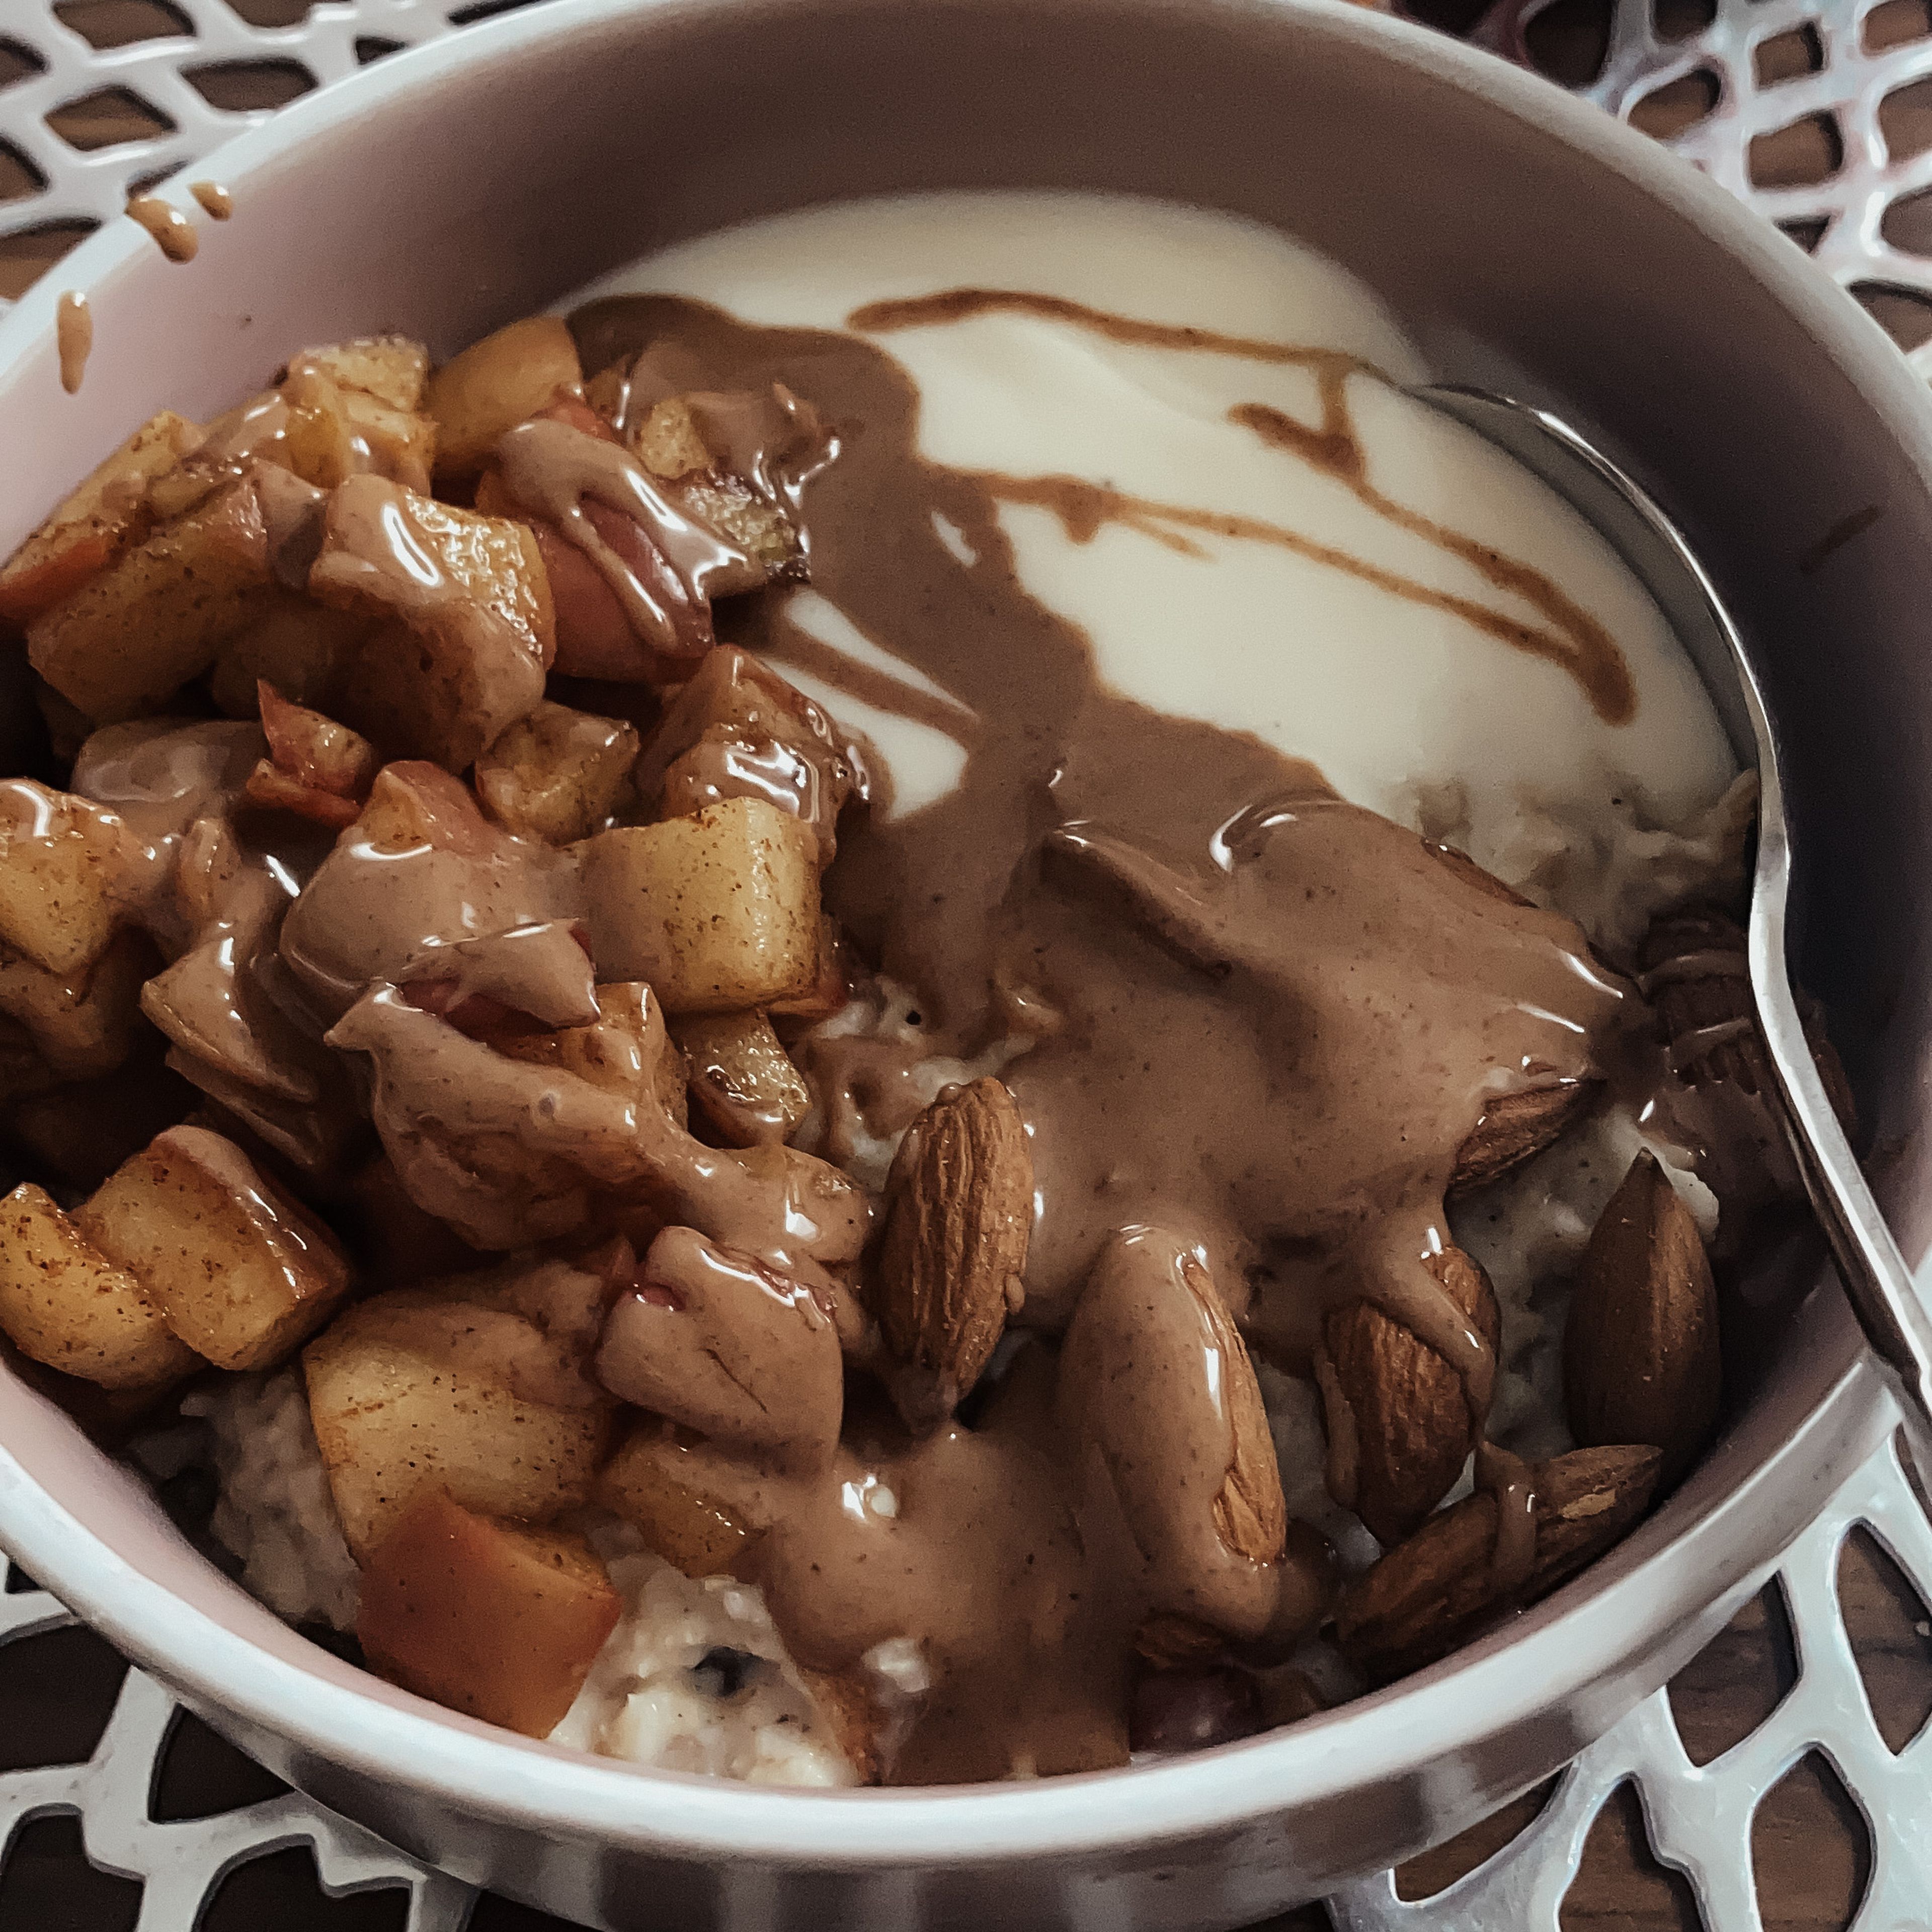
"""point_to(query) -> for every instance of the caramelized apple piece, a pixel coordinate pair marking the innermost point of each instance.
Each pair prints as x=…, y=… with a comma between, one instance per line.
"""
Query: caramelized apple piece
x=100, y=519
x=158, y=616
x=487, y=1617
x=242, y=1272
x=742, y=1079
x=302, y=648
x=67, y=872
x=672, y=443
x=82, y=1024
x=718, y=911
x=467, y=630
x=406, y=1389
x=315, y=767
x=392, y=368
x=738, y=729
x=64, y=1303
x=557, y=775
x=494, y=385
x=692, y=1504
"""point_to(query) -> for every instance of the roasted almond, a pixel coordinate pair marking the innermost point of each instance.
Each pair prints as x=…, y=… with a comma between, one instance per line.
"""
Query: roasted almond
x=1250, y=1516
x=1640, y=1354
x=1399, y=1422
x=1516, y=1127
x=1438, y=1589
x=1166, y=1640
x=951, y=1264
x=1696, y=974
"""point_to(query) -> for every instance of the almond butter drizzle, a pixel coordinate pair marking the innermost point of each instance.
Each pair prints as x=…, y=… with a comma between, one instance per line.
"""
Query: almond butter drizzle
x=1512, y=1483
x=173, y=232
x=1573, y=639
x=74, y=338
x=217, y=203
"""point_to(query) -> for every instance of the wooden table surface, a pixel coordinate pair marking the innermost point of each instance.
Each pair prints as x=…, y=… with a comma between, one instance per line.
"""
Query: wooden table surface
x=1808, y=1843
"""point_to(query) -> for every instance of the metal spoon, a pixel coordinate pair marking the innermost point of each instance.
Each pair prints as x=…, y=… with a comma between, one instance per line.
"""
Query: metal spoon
x=1888, y=1304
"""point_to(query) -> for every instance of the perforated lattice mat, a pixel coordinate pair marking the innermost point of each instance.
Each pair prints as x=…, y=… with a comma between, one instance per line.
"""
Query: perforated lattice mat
x=1784, y=1781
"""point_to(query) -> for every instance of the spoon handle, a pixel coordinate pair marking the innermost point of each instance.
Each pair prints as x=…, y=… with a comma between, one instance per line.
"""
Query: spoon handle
x=1884, y=1296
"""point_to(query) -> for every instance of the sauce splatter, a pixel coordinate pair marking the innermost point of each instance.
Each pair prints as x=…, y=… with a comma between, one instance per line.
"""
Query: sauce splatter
x=173, y=233
x=74, y=334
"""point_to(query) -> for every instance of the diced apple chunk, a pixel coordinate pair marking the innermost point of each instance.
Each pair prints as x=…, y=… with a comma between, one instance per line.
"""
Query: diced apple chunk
x=316, y=767
x=333, y=432
x=66, y=869
x=625, y=1050
x=692, y=1505
x=82, y=1024
x=718, y=911
x=671, y=444
x=158, y=616
x=495, y=384
x=466, y=624
x=397, y=1403
x=64, y=1303
x=392, y=368
x=742, y=1079
x=88, y=531
x=243, y=1273
x=490, y=1618
x=557, y=774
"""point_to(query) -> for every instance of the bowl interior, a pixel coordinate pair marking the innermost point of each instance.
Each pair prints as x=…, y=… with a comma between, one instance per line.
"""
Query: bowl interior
x=1524, y=245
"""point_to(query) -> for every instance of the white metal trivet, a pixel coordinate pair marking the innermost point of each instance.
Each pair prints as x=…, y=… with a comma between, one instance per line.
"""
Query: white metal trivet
x=1698, y=1818
x=181, y=1865
x=1849, y=92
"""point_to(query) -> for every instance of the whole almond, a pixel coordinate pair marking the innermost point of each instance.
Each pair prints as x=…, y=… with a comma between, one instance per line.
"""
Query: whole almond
x=1167, y=1640
x=1689, y=1003
x=951, y=1264
x=1399, y=1420
x=1640, y=1355
x=1438, y=1589
x=1516, y=1127
x=1250, y=1514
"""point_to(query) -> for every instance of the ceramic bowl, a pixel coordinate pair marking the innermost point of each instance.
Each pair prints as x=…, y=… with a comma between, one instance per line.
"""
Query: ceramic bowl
x=1528, y=243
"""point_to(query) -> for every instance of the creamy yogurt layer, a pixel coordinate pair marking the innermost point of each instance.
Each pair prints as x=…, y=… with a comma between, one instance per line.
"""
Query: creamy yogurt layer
x=1390, y=696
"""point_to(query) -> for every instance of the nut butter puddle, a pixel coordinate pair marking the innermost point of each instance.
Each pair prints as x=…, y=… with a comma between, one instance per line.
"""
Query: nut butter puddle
x=505, y=1082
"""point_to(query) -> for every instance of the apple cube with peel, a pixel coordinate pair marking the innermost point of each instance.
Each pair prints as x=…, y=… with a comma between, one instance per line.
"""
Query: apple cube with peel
x=64, y=1303
x=493, y=1619
x=718, y=911
x=742, y=1079
x=67, y=871
x=478, y=396
x=466, y=625
x=392, y=368
x=557, y=774
x=97, y=523
x=692, y=1502
x=158, y=615
x=243, y=1273
x=398, y=1401
x=333, y=432
x=625, y=1050
x=81, y=1025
